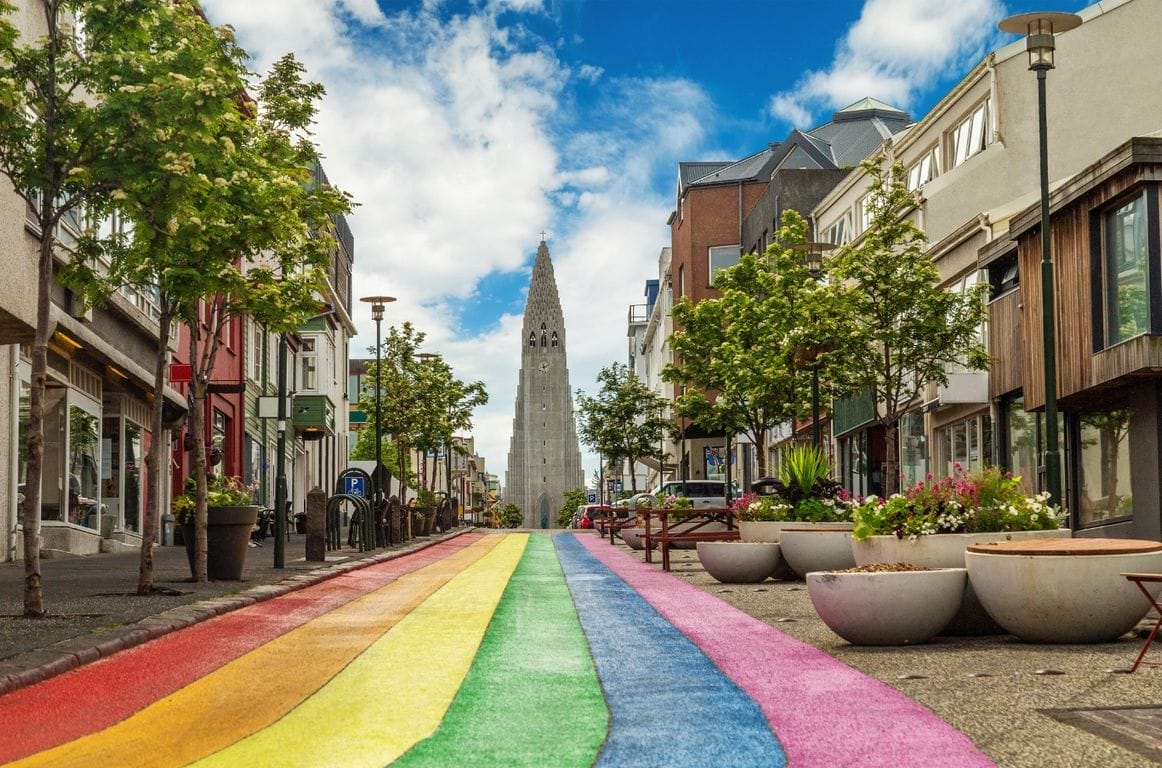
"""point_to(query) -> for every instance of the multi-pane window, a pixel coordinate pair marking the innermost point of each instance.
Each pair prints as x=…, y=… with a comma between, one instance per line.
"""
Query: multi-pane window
x=308, y=365
x=839, y=233
x=863, y=213
x=257, y=339
x=1104, y=467
x=970, y=135
x=964, y=285
x=923, y=170
x=1126, y=296
x=721, y=257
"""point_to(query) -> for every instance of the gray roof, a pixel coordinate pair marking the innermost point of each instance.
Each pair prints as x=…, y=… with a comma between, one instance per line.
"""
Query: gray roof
x=852, y=134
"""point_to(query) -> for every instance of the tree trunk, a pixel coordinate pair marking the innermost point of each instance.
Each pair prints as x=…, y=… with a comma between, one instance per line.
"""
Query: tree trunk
x=401, y=452
x=34, y=470
x=892, y=457
x=153, y=458
x=197, y=395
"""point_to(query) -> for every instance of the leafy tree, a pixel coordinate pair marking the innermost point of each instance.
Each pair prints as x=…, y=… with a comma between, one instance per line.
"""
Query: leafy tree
x=65, y=124
x=574, y=498
x=741, y=357
x=364, y=450
x=902, y=331
x=624, y=420
x=227, y=219
x=510, y=515
x=450, y=403
x=422, y=404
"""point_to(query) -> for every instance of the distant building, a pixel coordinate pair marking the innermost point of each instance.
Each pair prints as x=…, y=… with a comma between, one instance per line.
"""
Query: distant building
x=544, y=458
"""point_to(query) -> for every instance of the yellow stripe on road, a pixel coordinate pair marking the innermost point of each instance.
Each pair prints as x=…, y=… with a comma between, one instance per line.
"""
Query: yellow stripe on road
x=397, y=692
x=256, y=689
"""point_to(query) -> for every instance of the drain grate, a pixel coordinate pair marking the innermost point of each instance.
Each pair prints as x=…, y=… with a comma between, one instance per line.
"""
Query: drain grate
x=1138, y=729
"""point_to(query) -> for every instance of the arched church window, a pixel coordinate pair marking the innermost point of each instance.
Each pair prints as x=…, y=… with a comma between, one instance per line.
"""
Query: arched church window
x=554, y=338
x=544, y=338
x=533, y=339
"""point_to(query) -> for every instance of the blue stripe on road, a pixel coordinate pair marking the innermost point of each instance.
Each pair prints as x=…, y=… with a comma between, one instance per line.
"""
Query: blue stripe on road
x=669, y=704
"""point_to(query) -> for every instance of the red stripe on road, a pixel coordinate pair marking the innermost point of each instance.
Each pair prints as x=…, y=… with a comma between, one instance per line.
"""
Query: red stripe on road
x=109, y=690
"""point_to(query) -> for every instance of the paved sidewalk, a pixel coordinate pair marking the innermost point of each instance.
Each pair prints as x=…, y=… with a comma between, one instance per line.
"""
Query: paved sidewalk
x=93, y=611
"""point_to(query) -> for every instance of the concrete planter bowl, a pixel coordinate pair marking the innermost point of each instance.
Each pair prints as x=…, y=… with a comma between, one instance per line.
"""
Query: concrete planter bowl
x=887, y=607
x=946, y=550
x=633, y=538
x=809, y=548
x=1063, y=591
x=739, y=562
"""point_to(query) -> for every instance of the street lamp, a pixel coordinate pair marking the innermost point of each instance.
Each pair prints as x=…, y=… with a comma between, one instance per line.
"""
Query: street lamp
x=1039, y=30
x=377, y=304
x=813, y=260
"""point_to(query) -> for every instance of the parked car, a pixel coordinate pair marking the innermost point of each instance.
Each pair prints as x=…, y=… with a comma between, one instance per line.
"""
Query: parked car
x=588, y=514
x=703, y=493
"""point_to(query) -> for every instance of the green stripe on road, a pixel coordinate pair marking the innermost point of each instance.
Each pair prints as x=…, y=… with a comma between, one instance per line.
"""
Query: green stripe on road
x=532, y=697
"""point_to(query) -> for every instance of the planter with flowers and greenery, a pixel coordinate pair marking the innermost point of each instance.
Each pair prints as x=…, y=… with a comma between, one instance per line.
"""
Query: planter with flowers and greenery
x=805, y=499
x=230, y=517
x=933, y=522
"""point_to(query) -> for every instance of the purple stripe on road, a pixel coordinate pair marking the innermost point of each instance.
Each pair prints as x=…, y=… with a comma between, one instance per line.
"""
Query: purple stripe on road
x=825, y=714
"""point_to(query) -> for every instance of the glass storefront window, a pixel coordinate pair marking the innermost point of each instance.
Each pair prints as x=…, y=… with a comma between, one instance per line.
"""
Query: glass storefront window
x=965, y=445
x=1104, y=467
x=134, y=459
x=84, y=469
x=913, y=449
x=1022, y=431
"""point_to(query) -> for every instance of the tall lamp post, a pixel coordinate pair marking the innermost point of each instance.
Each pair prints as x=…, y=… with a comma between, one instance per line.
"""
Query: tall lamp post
x=1039, y=30
x=377, y=304
x=814, y=263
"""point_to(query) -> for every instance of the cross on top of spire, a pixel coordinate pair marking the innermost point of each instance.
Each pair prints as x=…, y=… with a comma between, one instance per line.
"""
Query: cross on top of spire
x=543, y=233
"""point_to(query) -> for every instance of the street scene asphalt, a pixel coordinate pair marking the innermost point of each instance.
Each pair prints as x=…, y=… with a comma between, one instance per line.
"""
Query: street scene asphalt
x=1020, y=704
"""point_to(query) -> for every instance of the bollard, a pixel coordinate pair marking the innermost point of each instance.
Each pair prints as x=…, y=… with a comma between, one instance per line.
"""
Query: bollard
x=316, y=525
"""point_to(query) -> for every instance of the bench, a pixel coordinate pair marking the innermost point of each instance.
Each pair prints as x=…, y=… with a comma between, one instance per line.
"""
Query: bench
x=694, y=523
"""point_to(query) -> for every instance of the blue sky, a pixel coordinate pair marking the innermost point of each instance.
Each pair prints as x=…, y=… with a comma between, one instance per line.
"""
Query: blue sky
x=465, y=128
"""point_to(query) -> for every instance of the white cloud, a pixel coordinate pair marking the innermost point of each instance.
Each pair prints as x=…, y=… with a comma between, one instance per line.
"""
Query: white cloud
x=897, y=49
x=455, y=139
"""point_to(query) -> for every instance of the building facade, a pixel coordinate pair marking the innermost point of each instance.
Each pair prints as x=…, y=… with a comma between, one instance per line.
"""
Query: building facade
x=544, y=458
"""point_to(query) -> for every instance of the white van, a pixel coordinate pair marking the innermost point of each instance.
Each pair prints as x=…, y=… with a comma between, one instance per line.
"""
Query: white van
x=703, y=493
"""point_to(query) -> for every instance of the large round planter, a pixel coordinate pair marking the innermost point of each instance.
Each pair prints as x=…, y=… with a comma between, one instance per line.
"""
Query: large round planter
x=887, y=607
x=946, y=550
x=1070, y=591
x=633, y=538
x=815, y=548
x=739, y=562
x=227, y=541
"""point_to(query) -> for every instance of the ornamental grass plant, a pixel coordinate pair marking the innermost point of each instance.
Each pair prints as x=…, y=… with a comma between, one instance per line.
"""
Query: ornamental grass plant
x=804, y=493
x=988, y=500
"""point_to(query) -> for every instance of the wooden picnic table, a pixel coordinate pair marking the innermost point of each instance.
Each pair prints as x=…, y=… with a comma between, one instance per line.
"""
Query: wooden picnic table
x=694, y=524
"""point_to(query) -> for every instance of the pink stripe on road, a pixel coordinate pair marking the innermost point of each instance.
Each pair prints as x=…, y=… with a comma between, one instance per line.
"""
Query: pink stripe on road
x=825, y=713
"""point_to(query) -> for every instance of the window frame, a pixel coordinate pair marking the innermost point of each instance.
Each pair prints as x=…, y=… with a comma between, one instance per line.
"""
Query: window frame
x=970, y=136
x=713, y=270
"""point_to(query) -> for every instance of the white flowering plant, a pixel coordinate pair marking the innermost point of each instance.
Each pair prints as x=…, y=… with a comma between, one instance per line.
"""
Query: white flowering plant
x=986, y=501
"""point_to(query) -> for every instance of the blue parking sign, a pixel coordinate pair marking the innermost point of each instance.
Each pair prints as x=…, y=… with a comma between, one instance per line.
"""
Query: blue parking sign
x=353, y=485
x=592, y=498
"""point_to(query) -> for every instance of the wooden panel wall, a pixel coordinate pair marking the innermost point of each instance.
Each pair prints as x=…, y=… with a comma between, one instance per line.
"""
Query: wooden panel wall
x=1006, y=345
x=1072, y=276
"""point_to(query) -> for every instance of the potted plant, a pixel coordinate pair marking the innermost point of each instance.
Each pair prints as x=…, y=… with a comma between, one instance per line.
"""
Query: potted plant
x=230, y=517
x=932, y=523
x=425, y=512
x=804, y=509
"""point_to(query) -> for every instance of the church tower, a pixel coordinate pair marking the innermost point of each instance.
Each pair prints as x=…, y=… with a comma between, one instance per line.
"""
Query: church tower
x=544, y=457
